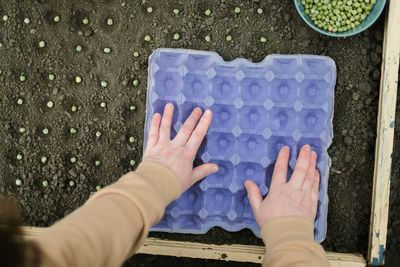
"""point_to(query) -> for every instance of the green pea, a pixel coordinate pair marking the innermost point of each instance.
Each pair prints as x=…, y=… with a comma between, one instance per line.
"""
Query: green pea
x=72, y=159
x=72, y=131
x=135, y=83
x=207, y=12
x=149, y=9
x=45, y=183
x=20, y=101
x=78, y=48
x=27, y=21
x=107, y=50
x=132, y=162
x=51, y=77
x=263, y=39
x=228, y=38
x=22, y=130
x=74, y=108
x=45, y=131
x=57, y=19
x=147, y=38
x=78, y=79
x=44, y=159
x=85, y=21
x=5, y=17
x=103, y=84
x=260, y=10
x=1, y=72
x=136, y=54
x=132, y=107
x=42, y=44
x=237, y=10
x=176, y=11
x=19, y=157
x=131, y=139
x=98, y=187
x=110, y=22
x=97, y=162
x=207, y=38
x=98, y=134
x=176, y=36
x=18, y=182
x=50, y=104
x=22, y=78
x=103, y=104
x=71, y=183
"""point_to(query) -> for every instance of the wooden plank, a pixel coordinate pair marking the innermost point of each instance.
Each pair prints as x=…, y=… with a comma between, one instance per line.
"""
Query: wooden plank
x=385, y=133
x=240, y=253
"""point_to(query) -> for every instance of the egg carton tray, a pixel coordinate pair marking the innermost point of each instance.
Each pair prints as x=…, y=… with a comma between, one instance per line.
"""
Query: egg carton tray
x=257, y=109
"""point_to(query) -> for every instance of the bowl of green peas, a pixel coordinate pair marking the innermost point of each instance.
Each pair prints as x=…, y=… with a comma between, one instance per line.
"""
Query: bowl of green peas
x=339, y=18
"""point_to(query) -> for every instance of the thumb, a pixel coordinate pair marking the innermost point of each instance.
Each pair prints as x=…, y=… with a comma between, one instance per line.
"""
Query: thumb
x=203, y=170
x=254, y=195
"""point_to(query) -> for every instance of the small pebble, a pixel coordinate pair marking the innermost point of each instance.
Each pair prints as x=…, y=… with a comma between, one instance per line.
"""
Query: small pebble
x=356, y=96
x=347, y=140
x=50, y=104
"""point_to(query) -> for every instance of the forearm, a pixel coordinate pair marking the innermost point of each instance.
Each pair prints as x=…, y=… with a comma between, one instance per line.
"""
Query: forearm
x=290, y=242
x=112, y=224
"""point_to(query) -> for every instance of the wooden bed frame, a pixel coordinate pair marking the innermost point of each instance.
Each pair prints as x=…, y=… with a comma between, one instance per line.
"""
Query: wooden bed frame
x=381, y=179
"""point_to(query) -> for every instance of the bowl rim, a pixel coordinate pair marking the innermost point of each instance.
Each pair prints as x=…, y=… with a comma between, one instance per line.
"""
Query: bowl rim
x=344, y=34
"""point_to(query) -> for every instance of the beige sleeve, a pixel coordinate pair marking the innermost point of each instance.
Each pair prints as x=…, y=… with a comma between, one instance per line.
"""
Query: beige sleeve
x=290, y=242
x=113, y=223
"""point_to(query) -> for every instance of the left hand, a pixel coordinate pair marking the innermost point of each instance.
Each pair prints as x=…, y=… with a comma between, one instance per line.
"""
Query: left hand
x=178, y=154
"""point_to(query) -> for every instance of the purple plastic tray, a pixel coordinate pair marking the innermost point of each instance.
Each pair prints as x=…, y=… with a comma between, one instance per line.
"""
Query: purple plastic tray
x=257, y=109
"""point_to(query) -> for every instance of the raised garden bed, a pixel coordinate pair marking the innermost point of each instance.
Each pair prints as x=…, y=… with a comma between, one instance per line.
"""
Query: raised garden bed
x=96, y=69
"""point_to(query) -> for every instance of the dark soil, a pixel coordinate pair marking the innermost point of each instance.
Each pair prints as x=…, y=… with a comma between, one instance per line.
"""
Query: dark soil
x=358, y=70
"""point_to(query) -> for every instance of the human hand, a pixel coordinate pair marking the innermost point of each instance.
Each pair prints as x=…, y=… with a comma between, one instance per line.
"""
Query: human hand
x=178, y=154
x=298, y=197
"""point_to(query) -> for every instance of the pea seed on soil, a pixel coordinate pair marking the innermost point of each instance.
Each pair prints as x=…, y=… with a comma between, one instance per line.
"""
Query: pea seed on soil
x=134, y=34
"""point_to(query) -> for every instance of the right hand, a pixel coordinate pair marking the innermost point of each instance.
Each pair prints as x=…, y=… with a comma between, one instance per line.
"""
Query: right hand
x=298, y=197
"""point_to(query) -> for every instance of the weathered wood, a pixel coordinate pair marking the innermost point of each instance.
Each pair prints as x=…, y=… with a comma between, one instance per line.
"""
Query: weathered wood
x=385, y=133
x=240, y=253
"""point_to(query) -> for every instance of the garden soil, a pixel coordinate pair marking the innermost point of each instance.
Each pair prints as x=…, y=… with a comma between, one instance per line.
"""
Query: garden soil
x=357, y=58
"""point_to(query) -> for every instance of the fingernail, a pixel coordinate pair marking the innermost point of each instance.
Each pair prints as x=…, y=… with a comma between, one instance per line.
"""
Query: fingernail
x=215, y=168
x=286, y=149
x=207, y=113
x=307, y=148
x=314, y=154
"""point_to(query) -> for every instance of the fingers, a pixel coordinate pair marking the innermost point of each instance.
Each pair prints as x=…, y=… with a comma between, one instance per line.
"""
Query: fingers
x=152, y=137
x=200, y=132
x=187, y=128
x=204, y=170
x=254, y=195
x=310, y=177
x=301, y=168
x=281, y=165
x=165, y=128
x=315, y=187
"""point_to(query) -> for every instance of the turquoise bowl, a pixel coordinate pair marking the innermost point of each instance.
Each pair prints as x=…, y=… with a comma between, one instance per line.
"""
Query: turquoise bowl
x=375, y=13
